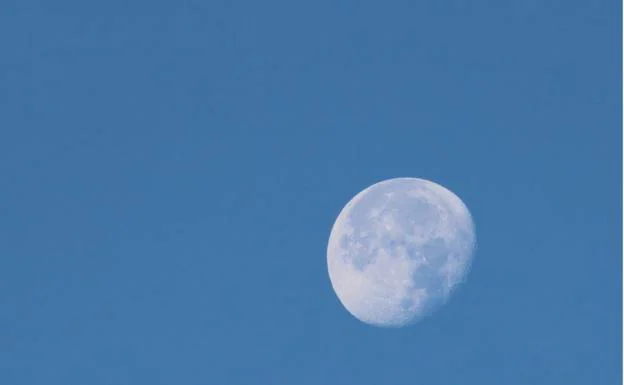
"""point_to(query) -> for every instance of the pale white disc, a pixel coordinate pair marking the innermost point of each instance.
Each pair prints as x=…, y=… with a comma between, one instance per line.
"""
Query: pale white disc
x=398, y=249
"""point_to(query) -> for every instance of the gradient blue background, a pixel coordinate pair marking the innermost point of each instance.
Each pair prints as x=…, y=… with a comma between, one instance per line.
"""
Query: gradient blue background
x=171, y=171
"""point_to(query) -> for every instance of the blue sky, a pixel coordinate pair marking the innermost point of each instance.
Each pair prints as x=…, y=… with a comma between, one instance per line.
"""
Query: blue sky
x=171, y=171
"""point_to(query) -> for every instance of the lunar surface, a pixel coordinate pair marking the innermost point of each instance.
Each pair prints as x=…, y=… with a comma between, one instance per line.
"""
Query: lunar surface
x=398, y=249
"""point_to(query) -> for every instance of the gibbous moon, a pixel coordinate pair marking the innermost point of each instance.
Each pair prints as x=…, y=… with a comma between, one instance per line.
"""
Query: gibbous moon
x=398, y=249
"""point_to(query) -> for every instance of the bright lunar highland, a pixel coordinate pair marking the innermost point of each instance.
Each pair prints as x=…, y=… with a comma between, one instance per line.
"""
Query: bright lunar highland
x=398, y=249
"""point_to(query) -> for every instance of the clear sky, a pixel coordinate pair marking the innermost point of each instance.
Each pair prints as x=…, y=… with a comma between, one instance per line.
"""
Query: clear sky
x=170, y=172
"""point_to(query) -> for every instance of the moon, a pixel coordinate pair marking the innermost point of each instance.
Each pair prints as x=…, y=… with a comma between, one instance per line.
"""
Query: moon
x=398, y=249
